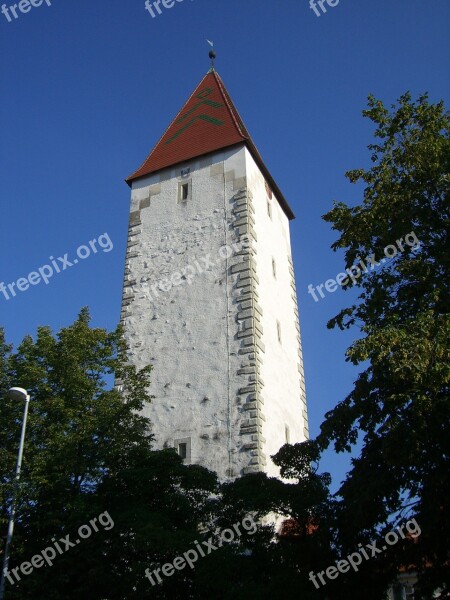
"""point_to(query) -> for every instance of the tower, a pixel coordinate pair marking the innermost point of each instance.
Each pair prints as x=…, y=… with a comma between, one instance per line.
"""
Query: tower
x=209, y=292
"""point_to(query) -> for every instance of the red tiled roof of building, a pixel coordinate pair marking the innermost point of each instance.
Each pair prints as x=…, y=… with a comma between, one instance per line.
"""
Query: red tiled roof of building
x=207, y=122
x=291, y=528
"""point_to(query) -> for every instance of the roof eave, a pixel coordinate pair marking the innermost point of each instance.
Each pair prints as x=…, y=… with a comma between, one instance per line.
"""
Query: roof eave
x=259, y=161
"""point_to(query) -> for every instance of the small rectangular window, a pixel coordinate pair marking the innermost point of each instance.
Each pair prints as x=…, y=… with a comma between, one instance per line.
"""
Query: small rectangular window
x=274, y=268
x=182, y=450
x=269, y=209
x=184, y=191
x=279, y=331
x=287, y=434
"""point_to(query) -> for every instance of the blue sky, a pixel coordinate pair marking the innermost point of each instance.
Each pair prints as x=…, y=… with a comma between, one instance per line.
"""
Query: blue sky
x=88, y=87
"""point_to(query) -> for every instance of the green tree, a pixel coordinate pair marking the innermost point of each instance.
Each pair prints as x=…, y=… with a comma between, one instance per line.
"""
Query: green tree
x=78, y=430
x=399, y=407
x=89, y=452
x=293, y=538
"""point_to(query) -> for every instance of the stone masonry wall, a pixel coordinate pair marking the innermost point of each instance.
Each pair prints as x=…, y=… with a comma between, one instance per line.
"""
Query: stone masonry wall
x=189, y=306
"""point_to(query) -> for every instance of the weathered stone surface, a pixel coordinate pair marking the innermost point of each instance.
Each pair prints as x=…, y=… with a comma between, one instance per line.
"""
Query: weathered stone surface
x=206, y=319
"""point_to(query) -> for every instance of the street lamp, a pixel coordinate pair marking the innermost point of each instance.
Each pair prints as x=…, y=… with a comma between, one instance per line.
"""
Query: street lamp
x=14, y=393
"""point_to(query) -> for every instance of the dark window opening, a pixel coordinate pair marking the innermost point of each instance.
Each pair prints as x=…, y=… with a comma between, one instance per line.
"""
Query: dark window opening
x=184, y=195
x=182, y=450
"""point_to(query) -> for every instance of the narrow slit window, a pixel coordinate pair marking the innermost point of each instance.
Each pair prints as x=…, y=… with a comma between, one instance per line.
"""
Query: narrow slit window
x=182, y=450
x=269, y=209
x=274, y=268
x=184, y=192
x=287, y=434
x=279, y=331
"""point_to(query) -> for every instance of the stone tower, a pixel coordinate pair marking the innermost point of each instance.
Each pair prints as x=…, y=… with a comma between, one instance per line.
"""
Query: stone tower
x=209, y=293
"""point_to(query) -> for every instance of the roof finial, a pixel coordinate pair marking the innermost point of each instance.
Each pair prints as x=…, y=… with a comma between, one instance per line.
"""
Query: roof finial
x=212, y=54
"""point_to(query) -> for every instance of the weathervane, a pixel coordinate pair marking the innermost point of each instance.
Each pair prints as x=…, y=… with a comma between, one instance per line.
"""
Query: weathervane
x=212, y=54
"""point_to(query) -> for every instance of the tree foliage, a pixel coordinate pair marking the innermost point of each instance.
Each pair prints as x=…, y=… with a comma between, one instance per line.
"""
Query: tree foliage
x=399, y=407
x=89, y=450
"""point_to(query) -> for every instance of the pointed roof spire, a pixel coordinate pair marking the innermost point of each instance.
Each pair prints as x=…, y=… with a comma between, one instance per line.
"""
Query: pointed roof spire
x=208, y=122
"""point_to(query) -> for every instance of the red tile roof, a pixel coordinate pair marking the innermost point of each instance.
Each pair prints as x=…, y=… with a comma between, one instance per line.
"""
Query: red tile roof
x=207, y=122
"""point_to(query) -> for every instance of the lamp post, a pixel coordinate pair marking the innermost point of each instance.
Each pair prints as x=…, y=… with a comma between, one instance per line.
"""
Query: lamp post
x=15, y=393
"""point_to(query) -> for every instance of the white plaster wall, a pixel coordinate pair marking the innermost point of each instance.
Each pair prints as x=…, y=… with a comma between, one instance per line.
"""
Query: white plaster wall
x=188, y=332
x=280, y=367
